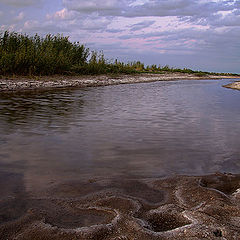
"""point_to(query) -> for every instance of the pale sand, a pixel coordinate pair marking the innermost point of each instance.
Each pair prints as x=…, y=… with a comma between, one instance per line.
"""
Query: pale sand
x=41, y=83
x=235, y=85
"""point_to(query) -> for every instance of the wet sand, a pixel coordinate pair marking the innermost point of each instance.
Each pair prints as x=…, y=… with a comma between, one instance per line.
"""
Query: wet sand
x=235, y=85
x=179, y=207
x=53, y=82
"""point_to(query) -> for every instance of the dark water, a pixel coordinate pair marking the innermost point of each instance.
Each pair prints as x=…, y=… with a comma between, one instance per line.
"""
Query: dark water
x=145, y=130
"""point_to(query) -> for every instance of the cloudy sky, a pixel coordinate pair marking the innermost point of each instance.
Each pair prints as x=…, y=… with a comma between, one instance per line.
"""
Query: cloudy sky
x=197, y=34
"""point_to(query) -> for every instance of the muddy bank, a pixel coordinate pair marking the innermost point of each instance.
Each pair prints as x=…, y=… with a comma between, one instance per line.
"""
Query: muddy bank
x=41, y=83
x=180, y=207
x=235, y=85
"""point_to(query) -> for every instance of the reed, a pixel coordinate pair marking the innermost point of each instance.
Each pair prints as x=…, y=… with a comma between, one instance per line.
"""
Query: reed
x=21, y=54
x=24, y=55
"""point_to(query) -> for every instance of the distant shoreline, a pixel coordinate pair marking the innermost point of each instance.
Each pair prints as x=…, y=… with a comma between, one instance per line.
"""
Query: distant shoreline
x=61, y=81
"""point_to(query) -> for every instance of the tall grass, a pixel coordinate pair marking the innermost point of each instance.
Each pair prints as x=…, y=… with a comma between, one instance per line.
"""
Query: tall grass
x=21, y=54
x=53, y=54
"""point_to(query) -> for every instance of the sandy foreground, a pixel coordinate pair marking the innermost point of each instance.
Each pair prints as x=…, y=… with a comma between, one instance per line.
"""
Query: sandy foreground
x=180, y=207
x=41, y=83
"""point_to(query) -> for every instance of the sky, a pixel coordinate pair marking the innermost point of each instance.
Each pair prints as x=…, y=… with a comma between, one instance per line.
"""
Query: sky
x=197, y=34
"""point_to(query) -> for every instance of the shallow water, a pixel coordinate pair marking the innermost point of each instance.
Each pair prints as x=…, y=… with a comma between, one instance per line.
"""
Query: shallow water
x=140, y=130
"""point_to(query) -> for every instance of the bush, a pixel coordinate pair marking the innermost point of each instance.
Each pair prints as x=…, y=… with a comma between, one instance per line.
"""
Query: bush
x=21, y=54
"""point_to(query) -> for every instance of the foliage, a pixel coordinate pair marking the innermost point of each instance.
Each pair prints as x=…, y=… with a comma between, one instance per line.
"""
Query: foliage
x=21, y=54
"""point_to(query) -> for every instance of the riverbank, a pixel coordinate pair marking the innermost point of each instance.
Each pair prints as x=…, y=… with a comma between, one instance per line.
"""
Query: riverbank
x=179, y=207
x=53, y=82
x=235, y=85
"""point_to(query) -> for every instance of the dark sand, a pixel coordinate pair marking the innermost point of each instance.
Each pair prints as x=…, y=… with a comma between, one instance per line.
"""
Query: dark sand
x=180, y=207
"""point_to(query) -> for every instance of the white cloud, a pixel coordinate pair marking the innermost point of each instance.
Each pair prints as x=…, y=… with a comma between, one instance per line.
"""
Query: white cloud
x=11, y=27
x=63, y=14
x=30, y=24
x=19, y=17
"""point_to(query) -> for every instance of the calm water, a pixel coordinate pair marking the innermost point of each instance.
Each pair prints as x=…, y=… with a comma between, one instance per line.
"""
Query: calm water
x=141, y=130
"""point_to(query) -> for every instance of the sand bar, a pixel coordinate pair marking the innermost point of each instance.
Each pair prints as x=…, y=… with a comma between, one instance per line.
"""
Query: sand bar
x=235, y=85
x=52, y=82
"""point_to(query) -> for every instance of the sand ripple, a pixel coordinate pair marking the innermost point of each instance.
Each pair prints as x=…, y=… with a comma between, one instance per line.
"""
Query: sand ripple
x=180, y=207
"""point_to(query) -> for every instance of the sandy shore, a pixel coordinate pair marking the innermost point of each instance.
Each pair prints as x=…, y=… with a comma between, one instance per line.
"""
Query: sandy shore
x=41, y=83
x=180, y=207
x=235, y=85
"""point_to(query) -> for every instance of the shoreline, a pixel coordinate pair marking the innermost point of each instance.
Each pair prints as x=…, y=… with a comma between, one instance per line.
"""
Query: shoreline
x=176, y=207
x=56, y=82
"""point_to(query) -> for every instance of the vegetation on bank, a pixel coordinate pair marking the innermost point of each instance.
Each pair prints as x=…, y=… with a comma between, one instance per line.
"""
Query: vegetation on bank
x=21, y=54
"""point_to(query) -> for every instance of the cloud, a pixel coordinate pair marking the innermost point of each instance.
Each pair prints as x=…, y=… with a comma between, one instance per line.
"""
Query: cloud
x=43, y=28
x=141, y=25
x=195, y=8
x=76, y=21
x=103, y=7
x=112, y=30
x=19, y=17
x=20, y=3
x=5, y=27
x=219, y=20
x=97, y=24
x=192, y=11
x=68, y=26
x=63, y=14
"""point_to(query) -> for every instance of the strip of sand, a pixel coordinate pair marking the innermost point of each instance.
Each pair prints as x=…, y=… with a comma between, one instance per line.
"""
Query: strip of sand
x=235, y=85
x=52, y=82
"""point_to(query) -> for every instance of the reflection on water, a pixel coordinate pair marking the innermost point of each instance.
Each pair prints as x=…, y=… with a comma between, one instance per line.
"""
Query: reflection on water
x=31, y=110
x=153, y=129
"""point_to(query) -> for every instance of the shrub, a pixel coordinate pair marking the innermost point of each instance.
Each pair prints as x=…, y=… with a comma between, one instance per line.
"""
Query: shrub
x=21, y=54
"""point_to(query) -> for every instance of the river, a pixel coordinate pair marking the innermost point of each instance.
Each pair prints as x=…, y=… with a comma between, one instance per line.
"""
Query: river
x=138, y=130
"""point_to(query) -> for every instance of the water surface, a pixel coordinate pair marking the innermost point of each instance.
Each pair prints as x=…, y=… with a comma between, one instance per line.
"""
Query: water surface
x=139, y=130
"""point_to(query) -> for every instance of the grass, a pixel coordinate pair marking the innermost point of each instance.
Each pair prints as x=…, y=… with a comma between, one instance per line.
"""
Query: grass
x=53, y=54
x=21, y=54
x=24, y=55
